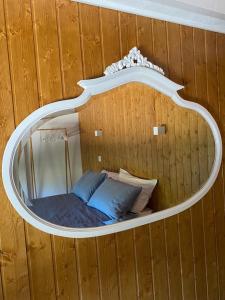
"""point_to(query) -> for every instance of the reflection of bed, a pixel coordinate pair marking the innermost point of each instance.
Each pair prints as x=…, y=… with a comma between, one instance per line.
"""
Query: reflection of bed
x=68, y=210
x=96, y=200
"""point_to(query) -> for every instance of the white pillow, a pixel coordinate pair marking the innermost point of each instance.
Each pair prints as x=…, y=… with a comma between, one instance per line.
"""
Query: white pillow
x=112, y=175
x=146, y=192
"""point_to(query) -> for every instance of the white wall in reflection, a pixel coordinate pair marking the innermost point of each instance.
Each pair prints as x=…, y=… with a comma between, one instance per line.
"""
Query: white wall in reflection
x=50, y=162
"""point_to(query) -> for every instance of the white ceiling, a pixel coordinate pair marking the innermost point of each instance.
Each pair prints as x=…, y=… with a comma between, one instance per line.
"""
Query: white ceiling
x=205, y=14
x=213, y=5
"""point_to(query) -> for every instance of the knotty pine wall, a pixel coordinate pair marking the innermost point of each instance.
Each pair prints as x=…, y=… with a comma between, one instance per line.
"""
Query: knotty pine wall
x=127, y=115
x=46, y=46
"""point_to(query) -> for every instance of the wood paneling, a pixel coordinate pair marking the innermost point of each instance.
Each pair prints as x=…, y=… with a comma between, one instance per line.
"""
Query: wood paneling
x=219, y=199
x=20, y=63
x=45, y=48
x=69, y=47
x=46, y=41
x=136, y=109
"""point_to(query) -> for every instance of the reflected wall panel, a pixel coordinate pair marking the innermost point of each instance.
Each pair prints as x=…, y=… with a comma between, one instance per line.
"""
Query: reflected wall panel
x=132, y=111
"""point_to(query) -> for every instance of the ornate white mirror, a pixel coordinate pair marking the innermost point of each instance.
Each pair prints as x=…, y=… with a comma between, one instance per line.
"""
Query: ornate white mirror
x=127, y=152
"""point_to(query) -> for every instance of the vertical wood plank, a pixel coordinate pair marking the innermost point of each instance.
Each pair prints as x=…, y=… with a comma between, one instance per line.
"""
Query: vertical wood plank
x=219, y=201
x=106, y=245
x=1, y=288
x=24, y=89
x=126, y=262
x=190, y=175
x=205, y=85
x=110, y=23
x=145, y=41
x=209, y=202
x=145, y=36
x=65, y=269
x=158, y=229
x=197, y=217
x=143, y=260
x=90, y=40
x=88, y=269
x=68, y=34
x=128, y=38
x=173, y=257
x=108, y=272
x=159, y=261
x=187, y=260
x=49, y=89
x=159, y=47
x=175, y=73
x=40, y=264
x=125, y=240
x=92, y=67
x=22, y=58
x=161, y=54
x=14, y=270
x=219, y=228
x=69, y=47
x=172, y=228
x=47, y=50
x=185, y=225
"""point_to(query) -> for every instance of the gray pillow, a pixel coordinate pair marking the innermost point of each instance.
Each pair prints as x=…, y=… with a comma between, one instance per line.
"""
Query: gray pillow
x=87, y=184
x=114, y=198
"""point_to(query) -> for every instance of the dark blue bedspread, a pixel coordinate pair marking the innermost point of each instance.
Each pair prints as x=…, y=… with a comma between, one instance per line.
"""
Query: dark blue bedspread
x=68, y=210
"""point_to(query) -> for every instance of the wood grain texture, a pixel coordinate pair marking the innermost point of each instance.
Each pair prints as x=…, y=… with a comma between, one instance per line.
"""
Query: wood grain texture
x=69, y=47
x=209, y=203
x=90, y=40
x=135, y=110
x=176, y=169
x=14, y=96
x=66, y=273
x=107, y=245
x=88, y=269
x=46, y=42
x=65, y=42
x=108, y=272
x=126, y=265
x=45, y=48
x=219, y=200
x=197, y=215
x=22, y=57
x=41, y=268
x=143, y=263
x=1, y=289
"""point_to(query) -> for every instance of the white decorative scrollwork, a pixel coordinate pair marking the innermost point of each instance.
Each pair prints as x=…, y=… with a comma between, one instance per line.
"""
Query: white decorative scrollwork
x=134, y=58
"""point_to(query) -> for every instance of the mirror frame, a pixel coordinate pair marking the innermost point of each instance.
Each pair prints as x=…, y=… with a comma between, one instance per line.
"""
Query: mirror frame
x=152, y=77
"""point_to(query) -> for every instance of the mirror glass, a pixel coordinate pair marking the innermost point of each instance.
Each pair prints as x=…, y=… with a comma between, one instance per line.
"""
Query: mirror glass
x=133, y=129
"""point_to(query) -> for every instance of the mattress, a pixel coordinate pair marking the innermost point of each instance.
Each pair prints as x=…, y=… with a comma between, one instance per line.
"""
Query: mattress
x=67, y=210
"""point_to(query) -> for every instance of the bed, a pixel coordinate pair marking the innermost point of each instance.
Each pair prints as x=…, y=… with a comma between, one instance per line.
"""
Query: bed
x=68, y=210
x=96, y=199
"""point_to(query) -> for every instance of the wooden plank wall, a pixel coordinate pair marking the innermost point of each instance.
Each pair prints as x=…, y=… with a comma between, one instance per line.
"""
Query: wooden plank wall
x=46, y=46
x=127, y=115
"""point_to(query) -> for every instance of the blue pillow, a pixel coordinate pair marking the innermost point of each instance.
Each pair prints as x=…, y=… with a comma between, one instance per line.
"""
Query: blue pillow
x=87, y=184
x=114, y=198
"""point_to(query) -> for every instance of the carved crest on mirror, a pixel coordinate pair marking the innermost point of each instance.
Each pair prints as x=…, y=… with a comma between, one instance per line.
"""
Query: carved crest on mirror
x=133, y=59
